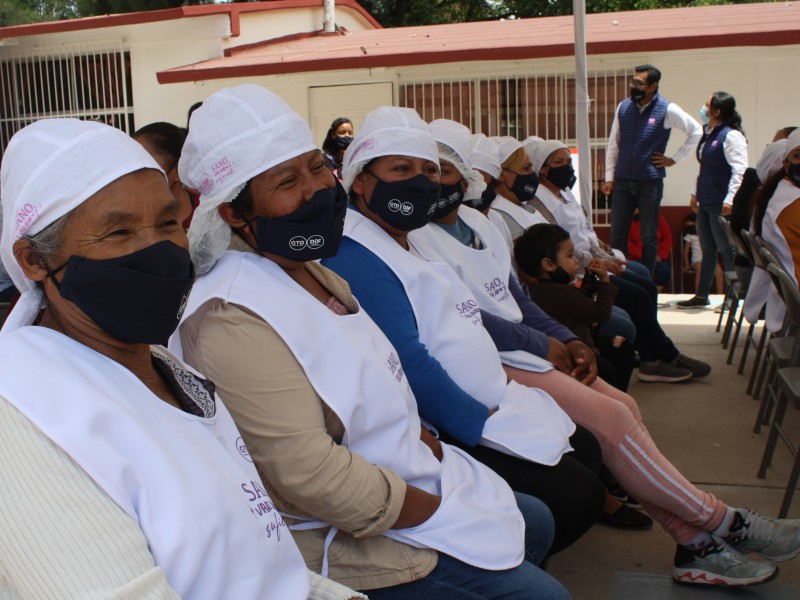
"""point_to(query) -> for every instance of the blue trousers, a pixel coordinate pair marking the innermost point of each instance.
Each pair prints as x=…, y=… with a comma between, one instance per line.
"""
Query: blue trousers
x=628, y=195
x=712, y=239
x=456, y=580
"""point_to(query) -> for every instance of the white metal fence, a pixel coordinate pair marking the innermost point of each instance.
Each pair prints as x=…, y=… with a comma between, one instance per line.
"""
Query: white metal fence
x=86, y=81
x=523, y=99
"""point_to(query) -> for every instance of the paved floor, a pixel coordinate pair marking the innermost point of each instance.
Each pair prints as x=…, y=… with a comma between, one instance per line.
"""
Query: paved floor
x=706, y=429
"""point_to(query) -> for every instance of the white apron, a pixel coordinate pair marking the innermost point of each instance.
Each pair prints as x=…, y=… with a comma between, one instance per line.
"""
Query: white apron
x=356, y=371
x=570, y=216
x=761, y=290
x=497, y=220
x=188, y=481
x=523, y=217
x=529, y=423
x=486, y=272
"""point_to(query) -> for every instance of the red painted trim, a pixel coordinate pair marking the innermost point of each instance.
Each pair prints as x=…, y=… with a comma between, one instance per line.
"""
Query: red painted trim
x=233, y=10
x=281, y=40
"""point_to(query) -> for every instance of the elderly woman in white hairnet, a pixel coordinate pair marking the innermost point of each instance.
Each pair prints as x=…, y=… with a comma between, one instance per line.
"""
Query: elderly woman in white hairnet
x=123, y=475
x=318, y=391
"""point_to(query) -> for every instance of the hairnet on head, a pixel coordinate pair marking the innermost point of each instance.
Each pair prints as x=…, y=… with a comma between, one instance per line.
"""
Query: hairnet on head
x=771, y=159
x=542, y=151
x=455, y=147
x=792, y=142
x=236, y=134
x=506, y=146
x=388, y=131
x=530, y=143
x=50, y=168
x=485, y=155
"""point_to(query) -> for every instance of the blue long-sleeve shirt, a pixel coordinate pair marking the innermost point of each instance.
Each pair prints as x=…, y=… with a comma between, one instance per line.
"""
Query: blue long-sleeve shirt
x=529, y=335
x=440, y=401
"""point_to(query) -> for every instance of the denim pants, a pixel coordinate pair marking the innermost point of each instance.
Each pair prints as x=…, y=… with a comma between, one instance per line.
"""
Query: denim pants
x=456, y=580
x=628, y=195
x=712, y=239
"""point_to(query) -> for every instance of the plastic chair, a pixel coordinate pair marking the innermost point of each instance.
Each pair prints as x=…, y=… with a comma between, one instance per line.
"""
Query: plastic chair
x=788, y=387
x=736, y=294
x=780, y=349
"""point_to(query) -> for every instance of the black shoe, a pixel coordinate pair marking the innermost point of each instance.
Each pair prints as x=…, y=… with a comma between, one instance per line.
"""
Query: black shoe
x=697, y=367
x=694, y=302
x=626, y=518
x=620, y=494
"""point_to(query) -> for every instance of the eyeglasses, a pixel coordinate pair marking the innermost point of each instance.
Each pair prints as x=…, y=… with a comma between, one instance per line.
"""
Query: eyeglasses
x=639, y=83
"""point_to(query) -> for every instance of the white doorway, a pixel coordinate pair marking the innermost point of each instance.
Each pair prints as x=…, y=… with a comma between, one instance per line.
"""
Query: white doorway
x=327, y=103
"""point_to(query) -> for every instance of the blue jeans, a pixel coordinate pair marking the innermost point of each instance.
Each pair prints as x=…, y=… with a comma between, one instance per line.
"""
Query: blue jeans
x=619, y=323
x=712, y=239
x=628, y=195
x=456, y=580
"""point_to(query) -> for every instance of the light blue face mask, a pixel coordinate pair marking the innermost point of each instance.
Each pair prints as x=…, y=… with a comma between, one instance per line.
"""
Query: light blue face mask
x=704, y=115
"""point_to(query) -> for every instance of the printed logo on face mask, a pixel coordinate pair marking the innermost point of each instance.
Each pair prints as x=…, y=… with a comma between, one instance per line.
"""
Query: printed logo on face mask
x=182, y=308
x=312, y=243
x=240, y=446
x=406, y=208
x=531, y=189
x=394, y=205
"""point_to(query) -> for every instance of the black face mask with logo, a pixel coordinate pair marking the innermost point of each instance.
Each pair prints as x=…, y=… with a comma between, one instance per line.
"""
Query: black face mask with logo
x=637, y=94
x=138, y=298
x=450, y=197
x=407, y=204
x=525, y=186
x=486, y=199
x=312, y=232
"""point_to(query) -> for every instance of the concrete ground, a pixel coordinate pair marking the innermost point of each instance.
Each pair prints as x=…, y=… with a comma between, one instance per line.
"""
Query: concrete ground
x=706, y=429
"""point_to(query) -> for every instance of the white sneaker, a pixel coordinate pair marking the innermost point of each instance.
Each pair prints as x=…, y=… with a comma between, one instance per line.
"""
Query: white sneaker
x=719, y=564
x=774, y=539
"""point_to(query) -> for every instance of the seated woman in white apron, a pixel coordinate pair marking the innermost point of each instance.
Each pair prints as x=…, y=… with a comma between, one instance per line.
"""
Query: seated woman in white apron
x=777, y=219
x=318, y=391
x=637, y=295
x=458, y=390
x=155, y=492
x=386, y=277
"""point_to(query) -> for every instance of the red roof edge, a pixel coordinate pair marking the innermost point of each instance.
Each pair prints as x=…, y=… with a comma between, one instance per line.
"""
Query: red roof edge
x=292, y=37
x=365, y=61
x=233, y=10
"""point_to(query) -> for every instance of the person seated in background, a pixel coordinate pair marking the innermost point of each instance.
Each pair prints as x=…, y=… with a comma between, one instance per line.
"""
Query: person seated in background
x=338, y=138
x=546, y=262
x=156, y=494
x=663, y=268
x=164, y=142
x=318, y=391
x=661, y=361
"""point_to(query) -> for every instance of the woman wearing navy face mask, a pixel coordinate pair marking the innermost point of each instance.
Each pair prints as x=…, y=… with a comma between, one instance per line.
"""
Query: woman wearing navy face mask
x=338, y=138
x=515, y=186
x=157, y=496
x=722, y=154
x=318, y=391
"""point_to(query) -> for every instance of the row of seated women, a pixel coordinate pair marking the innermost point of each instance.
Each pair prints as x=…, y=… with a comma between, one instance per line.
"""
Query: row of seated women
x=364, y=429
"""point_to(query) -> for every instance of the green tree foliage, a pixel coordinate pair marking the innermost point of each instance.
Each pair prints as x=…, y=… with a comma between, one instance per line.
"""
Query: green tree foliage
x=18, y=12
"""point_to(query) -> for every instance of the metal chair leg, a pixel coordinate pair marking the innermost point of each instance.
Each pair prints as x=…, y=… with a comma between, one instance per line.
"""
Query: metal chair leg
x=762, y=342
x=748, y=338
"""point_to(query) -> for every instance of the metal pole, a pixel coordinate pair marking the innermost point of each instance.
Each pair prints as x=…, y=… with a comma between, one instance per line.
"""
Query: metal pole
x=328, y=16
x=582, y=103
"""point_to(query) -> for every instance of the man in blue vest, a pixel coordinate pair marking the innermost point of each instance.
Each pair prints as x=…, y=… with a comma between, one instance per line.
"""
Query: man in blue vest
x=635, y=160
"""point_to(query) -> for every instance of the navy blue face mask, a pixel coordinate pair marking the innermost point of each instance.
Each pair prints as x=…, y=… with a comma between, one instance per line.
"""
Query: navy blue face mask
x=525, y=186
x=407, y=204
x=562, y=177
x=138, y=298
x=485, y=201
x=312, y=232
x=450, y=197
x=343, y=141
x=794, y=173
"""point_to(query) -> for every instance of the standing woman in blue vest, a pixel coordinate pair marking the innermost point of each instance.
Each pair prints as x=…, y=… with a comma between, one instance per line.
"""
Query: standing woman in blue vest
x=722, y=154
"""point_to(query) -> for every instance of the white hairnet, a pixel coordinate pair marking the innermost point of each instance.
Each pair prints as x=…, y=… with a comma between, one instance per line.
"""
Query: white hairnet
x=388, y=131
x=530, y=143
x=792, y=142
x=486, y=155
x=506, y=146
x=542, y=151
x=454, y=141
x=50, y=168
x=771, y=159
x=236, y=134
